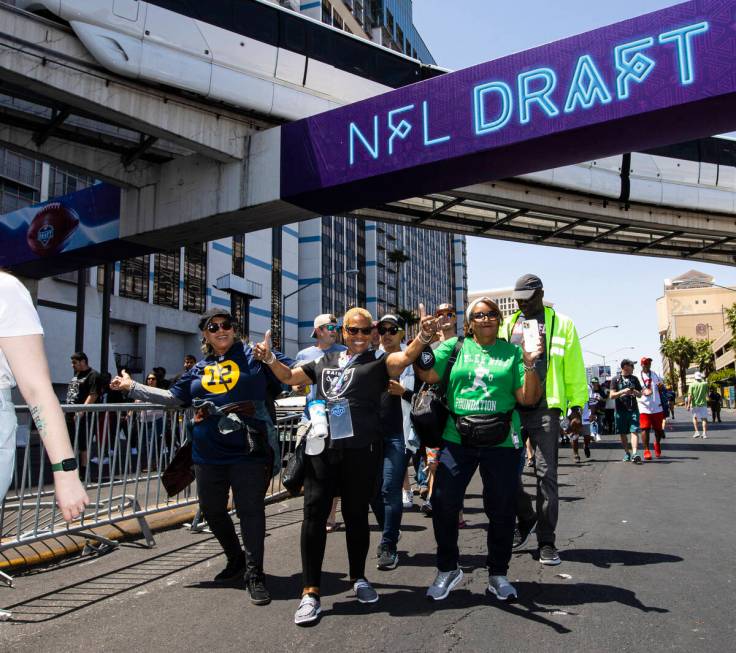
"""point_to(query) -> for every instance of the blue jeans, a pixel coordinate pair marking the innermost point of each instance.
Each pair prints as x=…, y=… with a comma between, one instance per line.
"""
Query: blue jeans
x=387, y=506
x=499, y=471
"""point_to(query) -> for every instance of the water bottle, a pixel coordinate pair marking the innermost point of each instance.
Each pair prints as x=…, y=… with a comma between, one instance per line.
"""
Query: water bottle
x=318, y=417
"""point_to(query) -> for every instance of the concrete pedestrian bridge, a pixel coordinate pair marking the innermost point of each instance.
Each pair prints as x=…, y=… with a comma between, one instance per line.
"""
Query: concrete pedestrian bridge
x=490, y=151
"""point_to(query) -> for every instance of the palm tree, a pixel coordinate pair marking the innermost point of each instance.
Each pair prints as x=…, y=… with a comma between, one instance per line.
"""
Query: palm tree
x=704, y=356
x=397, y=257
x=684, y=352
x=667, y=349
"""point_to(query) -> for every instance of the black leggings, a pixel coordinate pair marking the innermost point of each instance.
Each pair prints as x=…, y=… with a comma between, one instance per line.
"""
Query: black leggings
x=351, y=474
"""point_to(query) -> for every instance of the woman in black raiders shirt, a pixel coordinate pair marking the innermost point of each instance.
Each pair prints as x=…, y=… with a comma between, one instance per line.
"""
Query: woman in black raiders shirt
x=351, y=382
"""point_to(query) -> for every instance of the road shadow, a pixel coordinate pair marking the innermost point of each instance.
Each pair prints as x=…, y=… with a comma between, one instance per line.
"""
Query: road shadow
x=607, y=558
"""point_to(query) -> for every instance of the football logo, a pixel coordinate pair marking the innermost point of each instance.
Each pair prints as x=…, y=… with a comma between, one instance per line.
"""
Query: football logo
x=51, y=229
x=338, y=410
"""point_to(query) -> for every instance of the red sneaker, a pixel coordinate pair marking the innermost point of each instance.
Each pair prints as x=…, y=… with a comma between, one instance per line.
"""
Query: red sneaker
x=657, y=449
x=647, y=454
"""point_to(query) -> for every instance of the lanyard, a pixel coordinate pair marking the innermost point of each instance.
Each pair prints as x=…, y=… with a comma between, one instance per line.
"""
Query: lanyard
x=337, y=386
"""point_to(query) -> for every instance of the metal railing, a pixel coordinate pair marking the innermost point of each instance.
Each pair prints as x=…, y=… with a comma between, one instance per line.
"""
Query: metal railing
x=127, y=448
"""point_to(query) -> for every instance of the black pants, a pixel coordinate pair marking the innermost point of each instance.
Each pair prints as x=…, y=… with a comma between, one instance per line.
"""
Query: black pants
x=716, y=411
x=248, y=482
x=351, y=474
x=499, y=471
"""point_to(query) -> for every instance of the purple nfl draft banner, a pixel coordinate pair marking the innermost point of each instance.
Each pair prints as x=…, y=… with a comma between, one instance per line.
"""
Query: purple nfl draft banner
x=661, y=78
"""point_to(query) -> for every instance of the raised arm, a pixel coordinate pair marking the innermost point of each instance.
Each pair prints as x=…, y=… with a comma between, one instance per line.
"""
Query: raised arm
x=290, y=376
x=399, y=360
x=530, y=392
x=142, y=392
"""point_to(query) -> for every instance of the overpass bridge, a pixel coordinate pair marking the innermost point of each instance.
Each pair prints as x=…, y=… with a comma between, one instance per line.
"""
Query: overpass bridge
x=192, y=169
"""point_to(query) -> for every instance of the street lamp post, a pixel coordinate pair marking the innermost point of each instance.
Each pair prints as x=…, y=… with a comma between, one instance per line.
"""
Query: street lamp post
x=610, y=326
x=604, y=356
x=282, y=344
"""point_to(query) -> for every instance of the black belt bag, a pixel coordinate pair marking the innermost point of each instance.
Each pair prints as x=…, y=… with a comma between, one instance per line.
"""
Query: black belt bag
x=483, y=430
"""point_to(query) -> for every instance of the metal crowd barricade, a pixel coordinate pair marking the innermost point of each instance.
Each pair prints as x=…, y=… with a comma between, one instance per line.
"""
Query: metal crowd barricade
x=128, y=447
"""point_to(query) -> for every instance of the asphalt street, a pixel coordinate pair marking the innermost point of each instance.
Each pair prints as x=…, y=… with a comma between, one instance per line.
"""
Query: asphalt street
x=648, y=565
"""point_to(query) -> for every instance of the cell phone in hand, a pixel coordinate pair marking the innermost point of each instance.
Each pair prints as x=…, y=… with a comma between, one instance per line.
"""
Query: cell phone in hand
x=530, y=331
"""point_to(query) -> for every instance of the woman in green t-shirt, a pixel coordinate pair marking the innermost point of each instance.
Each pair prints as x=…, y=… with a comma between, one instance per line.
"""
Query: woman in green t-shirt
x=488, y=378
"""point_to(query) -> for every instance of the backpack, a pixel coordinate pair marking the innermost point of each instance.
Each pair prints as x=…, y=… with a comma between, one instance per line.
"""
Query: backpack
x=429, y=410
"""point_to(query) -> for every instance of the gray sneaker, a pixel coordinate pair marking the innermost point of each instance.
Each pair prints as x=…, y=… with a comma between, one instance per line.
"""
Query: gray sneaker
x=503, y=590
x=308, y=610
x=364, y=591
x=389, y=558
x=443, y=583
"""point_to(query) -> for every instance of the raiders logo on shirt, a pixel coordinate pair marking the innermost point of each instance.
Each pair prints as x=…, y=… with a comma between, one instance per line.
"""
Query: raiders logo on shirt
x=330, y=378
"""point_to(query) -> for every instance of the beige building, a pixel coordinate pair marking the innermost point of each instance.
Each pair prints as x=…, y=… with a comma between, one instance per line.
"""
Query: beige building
x=693, y=306
x=723, y=351
x=503, y=297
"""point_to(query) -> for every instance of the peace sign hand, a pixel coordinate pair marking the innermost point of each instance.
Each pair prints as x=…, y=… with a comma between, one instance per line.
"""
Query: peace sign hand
x=428, y=325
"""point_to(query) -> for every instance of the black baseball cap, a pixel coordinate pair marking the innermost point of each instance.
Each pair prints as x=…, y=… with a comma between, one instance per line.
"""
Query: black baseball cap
x=526, y=286
x=627, y=361
x=392, y=319
x=204, y=320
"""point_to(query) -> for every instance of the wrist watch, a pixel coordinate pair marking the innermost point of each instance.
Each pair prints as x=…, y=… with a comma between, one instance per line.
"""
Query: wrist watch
x=66, y=465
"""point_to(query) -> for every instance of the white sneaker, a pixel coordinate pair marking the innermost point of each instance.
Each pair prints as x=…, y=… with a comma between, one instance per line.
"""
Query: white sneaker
x=407, y=499
x=696, y=434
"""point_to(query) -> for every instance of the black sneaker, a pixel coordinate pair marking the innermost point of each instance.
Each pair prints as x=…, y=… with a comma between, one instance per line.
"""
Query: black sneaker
x=389, y=559
x=257, y=589
x=548, y=555
x=522, y=533
x=427, y=508
x=586, y=451
x=233, y=571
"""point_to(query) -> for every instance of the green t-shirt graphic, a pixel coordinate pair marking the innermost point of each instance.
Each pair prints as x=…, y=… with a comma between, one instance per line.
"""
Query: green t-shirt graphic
x=699, y=393
x=483, y=380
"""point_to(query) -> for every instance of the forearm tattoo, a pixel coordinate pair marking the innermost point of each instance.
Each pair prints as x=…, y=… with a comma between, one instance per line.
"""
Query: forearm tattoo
x=38, y=419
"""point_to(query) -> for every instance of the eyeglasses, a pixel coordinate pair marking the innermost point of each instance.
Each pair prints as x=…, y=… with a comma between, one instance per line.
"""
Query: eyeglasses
x=214, y=327
x=392, y=330
x=491, y=315
x=329, y=327
x=445, y=314
x=354, y=331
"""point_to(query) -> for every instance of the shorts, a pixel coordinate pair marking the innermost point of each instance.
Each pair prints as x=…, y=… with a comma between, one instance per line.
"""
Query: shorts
x=701, y=412
x=651, y=421
x=8, y=426
x=584, y=431
x=627, y=422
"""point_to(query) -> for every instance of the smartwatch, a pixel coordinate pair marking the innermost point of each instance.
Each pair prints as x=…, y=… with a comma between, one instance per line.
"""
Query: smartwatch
x=66, y=465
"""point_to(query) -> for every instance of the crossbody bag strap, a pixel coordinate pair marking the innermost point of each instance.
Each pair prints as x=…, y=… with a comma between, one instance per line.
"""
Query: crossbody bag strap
x=446, y=376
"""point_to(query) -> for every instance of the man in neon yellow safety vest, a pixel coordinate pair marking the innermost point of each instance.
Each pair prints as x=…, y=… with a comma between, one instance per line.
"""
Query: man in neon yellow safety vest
x=565, y=388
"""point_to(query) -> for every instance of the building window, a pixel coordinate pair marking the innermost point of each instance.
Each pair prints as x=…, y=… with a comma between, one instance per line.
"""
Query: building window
x=63, y=182
x=240, y=308
x=166, y=279
x=19, y=168
x=14, y=197
x=134, y=278
x=337, y=20
x=195, y=277
x=239, y=255
x=390, y=22
x=326, y=12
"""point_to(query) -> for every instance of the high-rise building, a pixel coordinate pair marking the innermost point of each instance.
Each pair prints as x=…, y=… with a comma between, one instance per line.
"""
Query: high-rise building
x=503, y=297
x=276, y=278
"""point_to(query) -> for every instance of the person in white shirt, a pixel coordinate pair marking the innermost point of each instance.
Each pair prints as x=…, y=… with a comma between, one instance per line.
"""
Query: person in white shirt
x=651, y=411
x=23, y=363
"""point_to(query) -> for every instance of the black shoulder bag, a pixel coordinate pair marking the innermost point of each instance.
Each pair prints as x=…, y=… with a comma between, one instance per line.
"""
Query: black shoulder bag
x=429, y=411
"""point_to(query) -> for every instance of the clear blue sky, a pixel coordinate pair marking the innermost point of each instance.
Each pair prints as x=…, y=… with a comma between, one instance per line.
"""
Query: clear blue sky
x=595, y=289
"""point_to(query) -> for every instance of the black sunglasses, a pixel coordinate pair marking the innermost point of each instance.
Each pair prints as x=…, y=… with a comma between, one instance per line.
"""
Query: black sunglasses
x=214, y=327
x=354, y=331
x=491, y=315
x=393, y=330
x=445, y=314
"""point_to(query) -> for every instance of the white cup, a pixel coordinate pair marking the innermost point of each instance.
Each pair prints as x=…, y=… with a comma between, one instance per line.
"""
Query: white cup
x=318, y=417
